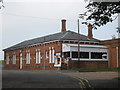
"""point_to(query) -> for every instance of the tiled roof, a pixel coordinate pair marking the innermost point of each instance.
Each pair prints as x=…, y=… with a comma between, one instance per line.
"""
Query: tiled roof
x=61, y=36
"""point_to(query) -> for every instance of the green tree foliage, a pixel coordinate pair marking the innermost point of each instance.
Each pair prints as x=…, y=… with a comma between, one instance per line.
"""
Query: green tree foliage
x=100, y=13
x=1, y=4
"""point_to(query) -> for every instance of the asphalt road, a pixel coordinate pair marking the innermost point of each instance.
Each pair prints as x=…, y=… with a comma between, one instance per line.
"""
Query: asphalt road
x=97, y=79
x=37, y=79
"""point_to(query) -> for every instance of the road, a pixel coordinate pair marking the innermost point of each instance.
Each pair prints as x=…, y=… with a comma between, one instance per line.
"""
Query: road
x=37, y=79
x=58, y=79
x=97, y=79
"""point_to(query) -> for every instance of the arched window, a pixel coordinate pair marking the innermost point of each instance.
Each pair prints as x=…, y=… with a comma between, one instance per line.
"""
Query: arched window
x=7, y=59
x=27, y=57
x=51, y=55
x=14, y=59
x=38, y=56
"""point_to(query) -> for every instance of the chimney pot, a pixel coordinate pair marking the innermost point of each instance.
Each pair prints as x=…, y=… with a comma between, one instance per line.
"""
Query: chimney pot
x=90, y=35
x=63, y=25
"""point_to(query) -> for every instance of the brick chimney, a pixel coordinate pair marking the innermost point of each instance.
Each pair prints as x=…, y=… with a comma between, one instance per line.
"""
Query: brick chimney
x=63, y=25
x=90, y=35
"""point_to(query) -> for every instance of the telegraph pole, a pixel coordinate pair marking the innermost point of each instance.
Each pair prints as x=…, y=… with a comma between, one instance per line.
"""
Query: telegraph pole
x=78, y=41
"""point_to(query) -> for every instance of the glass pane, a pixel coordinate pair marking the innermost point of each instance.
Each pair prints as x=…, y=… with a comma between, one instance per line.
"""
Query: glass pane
x=84, y=55
x=66, y=54
x=98, y=55
x=74, y=54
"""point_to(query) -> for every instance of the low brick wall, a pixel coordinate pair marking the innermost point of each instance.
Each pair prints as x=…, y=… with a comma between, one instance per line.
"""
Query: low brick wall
x=31, y=67
x=88, y=64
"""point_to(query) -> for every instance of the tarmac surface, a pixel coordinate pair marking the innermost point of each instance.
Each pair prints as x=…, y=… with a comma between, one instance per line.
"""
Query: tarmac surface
x=59, y=79
x=37, y=79
x=96, y=79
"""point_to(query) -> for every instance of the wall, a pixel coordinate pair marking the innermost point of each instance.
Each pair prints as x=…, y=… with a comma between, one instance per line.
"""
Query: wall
x=88, y=64
x=114, y=52
x=57, y=47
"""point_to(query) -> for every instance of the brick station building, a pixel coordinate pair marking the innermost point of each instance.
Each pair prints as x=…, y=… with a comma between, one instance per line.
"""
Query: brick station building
x=60, y=51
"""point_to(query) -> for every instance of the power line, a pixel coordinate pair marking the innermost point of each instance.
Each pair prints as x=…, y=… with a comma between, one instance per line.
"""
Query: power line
x=35, y=17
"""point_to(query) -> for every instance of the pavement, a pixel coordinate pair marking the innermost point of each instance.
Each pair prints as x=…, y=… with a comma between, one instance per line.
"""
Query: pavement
x=95, y=79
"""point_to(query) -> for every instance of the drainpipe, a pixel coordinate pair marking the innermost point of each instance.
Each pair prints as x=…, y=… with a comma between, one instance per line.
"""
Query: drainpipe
x=117, y=56
x=44, y=53
x=108, y=57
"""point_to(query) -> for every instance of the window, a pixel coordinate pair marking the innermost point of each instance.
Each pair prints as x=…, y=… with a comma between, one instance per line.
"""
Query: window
x=66, y=54
x=52, y=58
x=27, y=58
x=98, y=55
x=37, y=57
x=7, y=59
x=51, y=55
x=104, y=56
x=14, y=59
x=46, y=55
x=84, y=55
x=74, y=54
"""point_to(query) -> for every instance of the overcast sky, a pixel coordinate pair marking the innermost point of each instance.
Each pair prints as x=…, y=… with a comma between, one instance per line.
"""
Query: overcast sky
x=28, y=19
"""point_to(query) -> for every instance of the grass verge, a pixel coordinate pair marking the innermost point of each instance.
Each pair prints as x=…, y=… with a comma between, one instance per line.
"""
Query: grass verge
x=98, y=69
x=1, y=61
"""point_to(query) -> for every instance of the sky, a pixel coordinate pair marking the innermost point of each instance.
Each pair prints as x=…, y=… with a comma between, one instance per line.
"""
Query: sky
x=22, y=20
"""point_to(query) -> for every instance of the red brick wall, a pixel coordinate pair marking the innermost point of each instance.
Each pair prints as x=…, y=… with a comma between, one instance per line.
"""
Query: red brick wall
x=88, y=64
x=112, y=45
x=57, y=47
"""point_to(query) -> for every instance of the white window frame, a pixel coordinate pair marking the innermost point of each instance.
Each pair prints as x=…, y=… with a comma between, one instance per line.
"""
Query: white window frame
x=7, y=59
x=86, y=48
x=28, y=58
x=51, y=55
x=38, y=57
x=14, y=59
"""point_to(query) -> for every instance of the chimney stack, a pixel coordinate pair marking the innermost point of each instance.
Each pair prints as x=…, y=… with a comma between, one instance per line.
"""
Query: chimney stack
x=63, y=25
x=90, y=35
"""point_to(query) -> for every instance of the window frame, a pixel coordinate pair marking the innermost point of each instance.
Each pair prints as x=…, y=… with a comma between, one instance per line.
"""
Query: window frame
x=100, y=56
x=27, y=57
x=51, y=55
x=14, y=59
x=38, y=57
x=7, y=59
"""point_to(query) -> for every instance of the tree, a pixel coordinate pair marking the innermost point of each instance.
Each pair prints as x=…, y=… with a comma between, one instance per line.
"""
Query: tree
x=100, y=13
x=1, y=4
